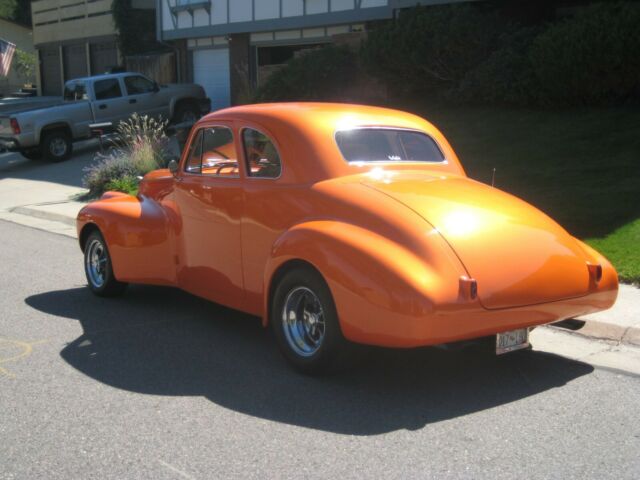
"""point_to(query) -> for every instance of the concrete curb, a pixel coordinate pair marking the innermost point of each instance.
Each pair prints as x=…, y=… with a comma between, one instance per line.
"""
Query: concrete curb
x=44, y=215
x=600, y=330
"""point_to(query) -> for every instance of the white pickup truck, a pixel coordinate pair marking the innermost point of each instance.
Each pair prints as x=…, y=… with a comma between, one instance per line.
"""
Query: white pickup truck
x=49, y=131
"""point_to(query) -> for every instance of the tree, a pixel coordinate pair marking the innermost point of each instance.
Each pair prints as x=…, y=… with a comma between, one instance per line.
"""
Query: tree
x=24, y=63
x=16, y=10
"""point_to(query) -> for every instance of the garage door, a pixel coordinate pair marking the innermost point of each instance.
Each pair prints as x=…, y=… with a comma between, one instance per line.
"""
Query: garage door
x=104, y=55
x=211, y=70
x=75, y=61
x=50, y=71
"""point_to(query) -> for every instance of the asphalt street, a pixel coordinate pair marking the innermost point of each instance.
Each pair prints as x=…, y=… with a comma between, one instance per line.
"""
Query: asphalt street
x=159, y=384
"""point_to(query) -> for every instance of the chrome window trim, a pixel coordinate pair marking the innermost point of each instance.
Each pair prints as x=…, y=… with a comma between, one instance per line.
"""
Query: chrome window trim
x=444, y=161
x=209, y=175
x=244, y=153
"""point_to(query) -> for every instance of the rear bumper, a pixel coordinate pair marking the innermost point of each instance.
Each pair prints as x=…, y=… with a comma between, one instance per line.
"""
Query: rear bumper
x=9, y=145
x=368, y=324
x=18, y=143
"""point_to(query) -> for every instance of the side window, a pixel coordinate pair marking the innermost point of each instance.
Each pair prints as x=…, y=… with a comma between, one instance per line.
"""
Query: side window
x=105, y=89
x=262, y=158
x=194, y=159
x=219, y=155
x=137, y=85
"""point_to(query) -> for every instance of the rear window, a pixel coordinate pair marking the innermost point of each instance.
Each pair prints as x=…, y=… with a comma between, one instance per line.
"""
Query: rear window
x=387, y=145
x=75, y=91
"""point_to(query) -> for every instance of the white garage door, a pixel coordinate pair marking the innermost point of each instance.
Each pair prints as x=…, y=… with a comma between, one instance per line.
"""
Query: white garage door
x=211, y=70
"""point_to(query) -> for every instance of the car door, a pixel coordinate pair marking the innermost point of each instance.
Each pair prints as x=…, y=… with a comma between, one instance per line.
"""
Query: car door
x=145, y=98
x=209, y=197
x=110, y=105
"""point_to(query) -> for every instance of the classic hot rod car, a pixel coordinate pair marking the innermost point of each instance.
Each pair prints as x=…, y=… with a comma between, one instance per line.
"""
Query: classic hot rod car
x=342, y=223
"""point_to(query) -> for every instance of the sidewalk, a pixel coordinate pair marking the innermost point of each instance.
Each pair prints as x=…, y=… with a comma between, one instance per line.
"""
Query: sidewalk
x=41, y=196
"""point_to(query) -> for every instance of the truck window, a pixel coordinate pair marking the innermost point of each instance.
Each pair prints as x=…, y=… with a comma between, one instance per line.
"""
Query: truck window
x=75, y=91
x=108, y=88
x=137, y=85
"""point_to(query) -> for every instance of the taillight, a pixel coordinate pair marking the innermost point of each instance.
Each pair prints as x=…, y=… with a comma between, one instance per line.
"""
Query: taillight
x=595, y=272
x=468, y=288
x=15, y=126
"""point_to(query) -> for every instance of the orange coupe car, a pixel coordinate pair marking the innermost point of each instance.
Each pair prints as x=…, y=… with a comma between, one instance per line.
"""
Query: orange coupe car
x=342, y=223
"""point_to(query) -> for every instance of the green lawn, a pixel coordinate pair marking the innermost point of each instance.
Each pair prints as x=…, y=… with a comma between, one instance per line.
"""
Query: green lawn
x=580, y=167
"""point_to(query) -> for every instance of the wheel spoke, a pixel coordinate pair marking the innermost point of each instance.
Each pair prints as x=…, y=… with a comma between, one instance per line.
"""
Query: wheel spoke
x=303, y=321
x=96, y=263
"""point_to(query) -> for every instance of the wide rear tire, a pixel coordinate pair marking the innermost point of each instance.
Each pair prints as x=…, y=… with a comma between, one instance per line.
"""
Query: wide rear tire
x=305, y=323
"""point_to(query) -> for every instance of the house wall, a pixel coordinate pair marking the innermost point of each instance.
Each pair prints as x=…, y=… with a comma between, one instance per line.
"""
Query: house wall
x=259, y=36
x=197, y=18
x=63, y=20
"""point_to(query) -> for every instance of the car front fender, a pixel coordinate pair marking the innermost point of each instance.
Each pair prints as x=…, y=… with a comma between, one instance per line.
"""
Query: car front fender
x=137, y=235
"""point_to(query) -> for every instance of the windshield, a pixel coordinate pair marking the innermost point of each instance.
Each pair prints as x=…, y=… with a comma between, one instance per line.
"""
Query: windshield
x=387, y=145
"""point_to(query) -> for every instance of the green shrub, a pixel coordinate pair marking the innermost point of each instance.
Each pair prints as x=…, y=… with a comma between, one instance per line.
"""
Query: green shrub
x=430, y=50
x=125, y=184
x=315, y=75
x=141, y=146
x=506, y=77
x=590, y=59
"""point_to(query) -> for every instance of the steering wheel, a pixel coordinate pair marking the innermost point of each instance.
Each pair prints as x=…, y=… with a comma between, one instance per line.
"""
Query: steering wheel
x=223, y=165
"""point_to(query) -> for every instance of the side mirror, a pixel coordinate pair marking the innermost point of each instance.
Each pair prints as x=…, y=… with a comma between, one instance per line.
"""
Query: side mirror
x=173, y=167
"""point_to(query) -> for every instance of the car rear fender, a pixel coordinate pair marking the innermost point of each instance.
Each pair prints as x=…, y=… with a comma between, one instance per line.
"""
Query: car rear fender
x=365, y=272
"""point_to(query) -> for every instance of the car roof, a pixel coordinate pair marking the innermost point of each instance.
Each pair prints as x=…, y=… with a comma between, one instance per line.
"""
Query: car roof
x=333, y=115
x=304, y=133
x=102, y=76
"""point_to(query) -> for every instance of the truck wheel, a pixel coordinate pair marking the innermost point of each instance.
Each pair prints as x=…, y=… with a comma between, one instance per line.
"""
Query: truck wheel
x=57, y=146
x=186, y=113
x=32, y=154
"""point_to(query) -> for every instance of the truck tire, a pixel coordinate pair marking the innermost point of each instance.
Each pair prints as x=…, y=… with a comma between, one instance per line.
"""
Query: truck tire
x=186, y=112
x=57, y=146
x=32, y=154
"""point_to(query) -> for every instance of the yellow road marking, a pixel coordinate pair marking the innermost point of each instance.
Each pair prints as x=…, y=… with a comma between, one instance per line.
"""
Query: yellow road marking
x=24, y=350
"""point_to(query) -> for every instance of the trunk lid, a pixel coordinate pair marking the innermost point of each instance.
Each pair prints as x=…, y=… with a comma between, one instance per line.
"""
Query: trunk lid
x=517, y=254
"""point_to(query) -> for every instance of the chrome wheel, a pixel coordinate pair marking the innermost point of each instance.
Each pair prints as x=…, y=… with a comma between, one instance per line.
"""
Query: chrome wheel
x=58, y=147
x=303, y=321
x=95, y=261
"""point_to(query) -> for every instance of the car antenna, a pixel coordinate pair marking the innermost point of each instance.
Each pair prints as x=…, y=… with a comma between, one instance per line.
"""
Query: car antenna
x=493, y=177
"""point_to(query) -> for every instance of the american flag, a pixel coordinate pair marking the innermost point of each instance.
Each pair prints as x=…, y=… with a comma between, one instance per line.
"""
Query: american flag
x=7, y=49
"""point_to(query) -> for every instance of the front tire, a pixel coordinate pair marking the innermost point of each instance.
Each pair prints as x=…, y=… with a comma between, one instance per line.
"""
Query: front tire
x=57, y=146
x=98, y=268
x=305, y=322
x=186, y=113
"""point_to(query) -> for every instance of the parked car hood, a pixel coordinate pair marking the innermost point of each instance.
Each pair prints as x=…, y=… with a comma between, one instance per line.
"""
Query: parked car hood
x=517, y=254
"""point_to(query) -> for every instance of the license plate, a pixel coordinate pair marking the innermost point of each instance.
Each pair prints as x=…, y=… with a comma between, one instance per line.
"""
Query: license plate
x=510, y=341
